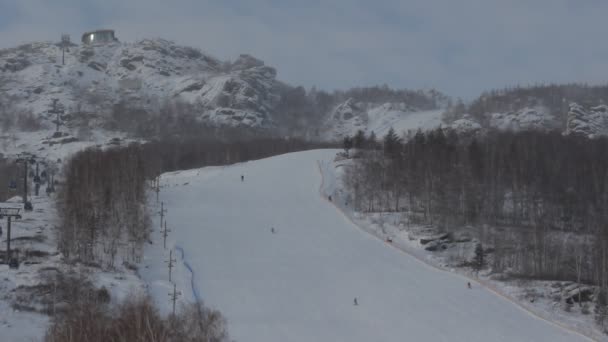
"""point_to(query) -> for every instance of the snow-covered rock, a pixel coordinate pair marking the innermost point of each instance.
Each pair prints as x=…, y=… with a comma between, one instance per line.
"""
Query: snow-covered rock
x=465, y=125
x=588, y=123
x=536, y=118
x=345, y=119
x=580, y=120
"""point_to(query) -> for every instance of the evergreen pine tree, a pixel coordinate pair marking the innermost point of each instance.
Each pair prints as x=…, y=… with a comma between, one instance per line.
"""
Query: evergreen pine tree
x=359, y=140
x=478, y=262
x=392, y=143
x=601, y=308
x=348, y=144
x=372, y=141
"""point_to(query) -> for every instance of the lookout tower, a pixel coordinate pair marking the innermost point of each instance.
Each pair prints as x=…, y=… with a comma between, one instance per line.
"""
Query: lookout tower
x=98, y=36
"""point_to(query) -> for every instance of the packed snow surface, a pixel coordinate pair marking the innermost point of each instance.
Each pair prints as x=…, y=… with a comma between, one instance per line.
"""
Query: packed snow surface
x=300, y=282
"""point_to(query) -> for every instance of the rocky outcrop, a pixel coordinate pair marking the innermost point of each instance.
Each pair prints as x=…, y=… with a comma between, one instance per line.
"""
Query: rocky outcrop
x=346, y=119
x=465, y=126
x=535, y=118
x=588, y=123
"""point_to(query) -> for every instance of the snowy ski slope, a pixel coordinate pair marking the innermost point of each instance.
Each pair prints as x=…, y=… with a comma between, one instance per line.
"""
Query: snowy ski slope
x=299, y=283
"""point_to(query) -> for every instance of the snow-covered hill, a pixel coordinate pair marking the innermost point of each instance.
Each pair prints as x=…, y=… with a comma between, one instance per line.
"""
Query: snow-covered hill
x=290, y=265
x=149, y=73
x=143, y=73
x=152, y=72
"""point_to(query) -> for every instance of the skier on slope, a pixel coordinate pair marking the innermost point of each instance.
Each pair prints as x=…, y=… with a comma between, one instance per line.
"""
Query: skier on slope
x=355, y=301
x=469, y=285
x=242, y=178
x=272, y=230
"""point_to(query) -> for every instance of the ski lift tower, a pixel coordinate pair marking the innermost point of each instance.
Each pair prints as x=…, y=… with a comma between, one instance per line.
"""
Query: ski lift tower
x=65, y=43
x=25, y=159
x=50, y=182
x=9, y=212
x=57, y=109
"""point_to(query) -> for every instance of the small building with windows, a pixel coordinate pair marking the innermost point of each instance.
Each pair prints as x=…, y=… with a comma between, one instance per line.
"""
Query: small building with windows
x=99, y=36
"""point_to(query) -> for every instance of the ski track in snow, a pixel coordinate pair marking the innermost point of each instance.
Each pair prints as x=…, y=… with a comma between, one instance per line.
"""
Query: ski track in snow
x=195, y=292
x=299, y=284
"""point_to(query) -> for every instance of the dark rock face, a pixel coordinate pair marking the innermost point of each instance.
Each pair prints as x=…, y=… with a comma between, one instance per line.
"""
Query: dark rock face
x=193, y=87
x=129, y=62
x=16, y=64
x=86, y=54
x=97, y=66
x=436, y=245
x=446, y=237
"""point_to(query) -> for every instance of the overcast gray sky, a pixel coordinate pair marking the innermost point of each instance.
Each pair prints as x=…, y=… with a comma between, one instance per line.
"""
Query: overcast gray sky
x=460, y=47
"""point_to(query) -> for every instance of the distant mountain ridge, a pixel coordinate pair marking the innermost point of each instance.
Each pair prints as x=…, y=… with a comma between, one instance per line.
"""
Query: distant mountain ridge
x=118, y=82
x=108, y=81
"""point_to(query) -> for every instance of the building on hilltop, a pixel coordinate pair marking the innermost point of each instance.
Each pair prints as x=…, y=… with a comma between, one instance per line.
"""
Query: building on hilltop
x=99, y=36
